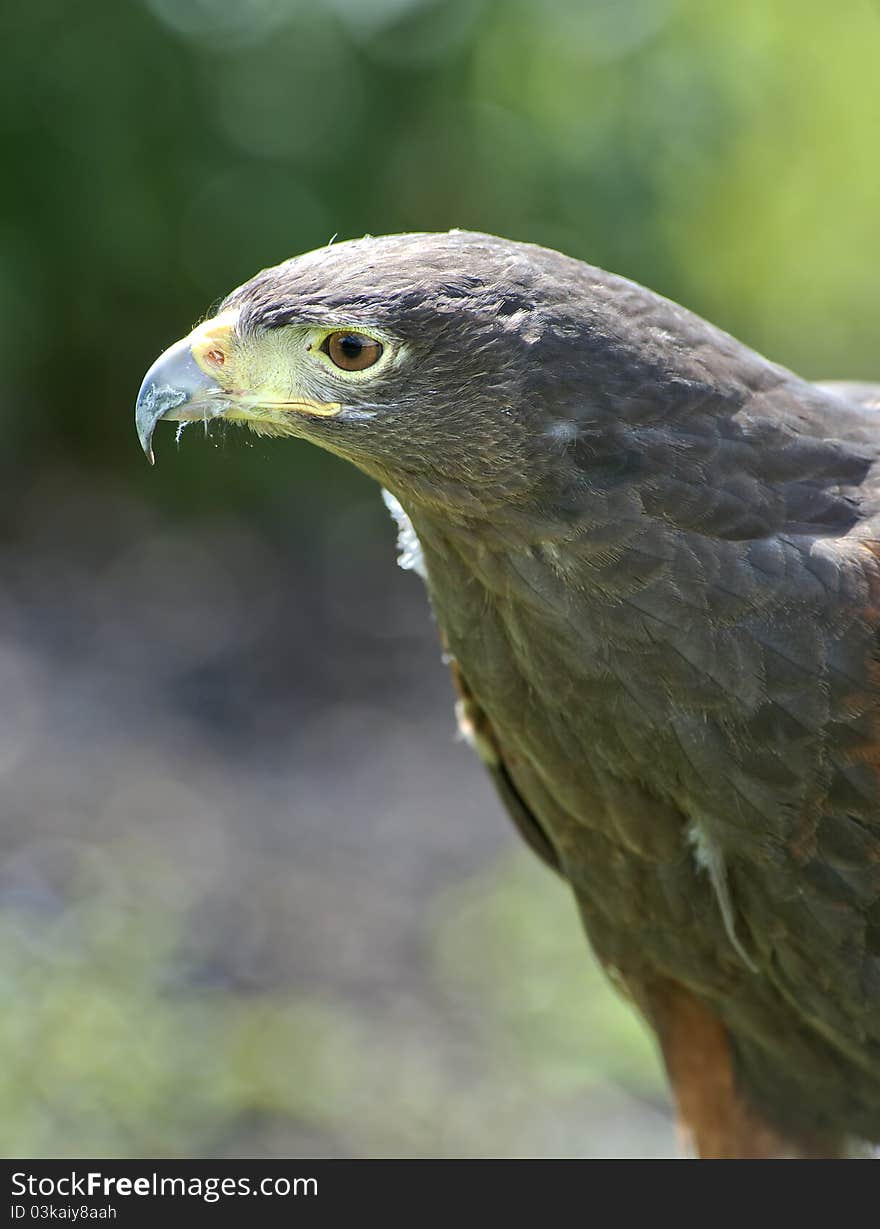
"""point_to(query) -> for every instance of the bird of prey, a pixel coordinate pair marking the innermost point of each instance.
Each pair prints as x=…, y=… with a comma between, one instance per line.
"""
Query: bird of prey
x=654, y=557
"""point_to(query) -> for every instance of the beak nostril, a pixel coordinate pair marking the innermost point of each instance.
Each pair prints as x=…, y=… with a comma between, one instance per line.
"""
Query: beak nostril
x=216, y=357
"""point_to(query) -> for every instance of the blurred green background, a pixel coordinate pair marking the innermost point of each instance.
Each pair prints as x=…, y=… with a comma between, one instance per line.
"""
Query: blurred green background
x=254, y=899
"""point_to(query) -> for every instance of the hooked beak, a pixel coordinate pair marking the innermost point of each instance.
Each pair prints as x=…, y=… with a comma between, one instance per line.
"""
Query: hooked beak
x=201, y=377
x=176, y=387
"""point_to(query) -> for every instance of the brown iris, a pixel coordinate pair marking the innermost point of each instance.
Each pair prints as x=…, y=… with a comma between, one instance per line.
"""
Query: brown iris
x=352, y=351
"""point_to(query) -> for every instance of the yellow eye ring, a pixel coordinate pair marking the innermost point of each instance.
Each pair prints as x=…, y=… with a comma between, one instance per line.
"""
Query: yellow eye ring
x=352, y=351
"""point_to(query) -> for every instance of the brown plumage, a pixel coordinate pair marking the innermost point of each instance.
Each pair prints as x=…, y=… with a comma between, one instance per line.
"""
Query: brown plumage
x=654, y=559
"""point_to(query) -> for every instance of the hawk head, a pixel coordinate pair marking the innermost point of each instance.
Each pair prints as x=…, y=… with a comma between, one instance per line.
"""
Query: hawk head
x=470, y=374
x=456, y=368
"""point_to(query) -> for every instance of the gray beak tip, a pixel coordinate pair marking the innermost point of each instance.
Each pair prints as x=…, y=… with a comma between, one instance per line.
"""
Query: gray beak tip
x=173, y=383
x=152, y=404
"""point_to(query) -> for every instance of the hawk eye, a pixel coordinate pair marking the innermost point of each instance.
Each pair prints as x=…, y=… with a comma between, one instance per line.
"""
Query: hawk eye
x=352, y=351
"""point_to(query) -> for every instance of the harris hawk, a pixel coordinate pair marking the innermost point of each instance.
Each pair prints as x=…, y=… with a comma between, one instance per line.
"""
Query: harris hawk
x=654, y=558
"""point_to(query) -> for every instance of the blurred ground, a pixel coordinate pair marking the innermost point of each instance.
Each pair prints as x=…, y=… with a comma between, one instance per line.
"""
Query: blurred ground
x=254, y=898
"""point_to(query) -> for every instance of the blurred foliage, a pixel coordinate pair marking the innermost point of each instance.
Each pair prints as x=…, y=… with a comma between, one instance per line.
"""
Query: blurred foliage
x=296, y=950
x=128, y=1055
x=158, y=153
